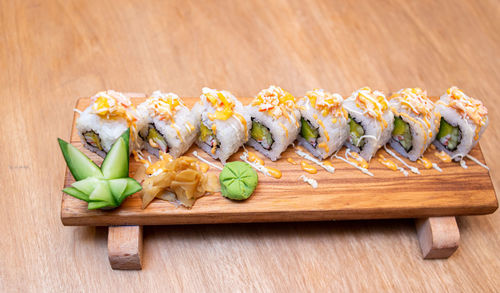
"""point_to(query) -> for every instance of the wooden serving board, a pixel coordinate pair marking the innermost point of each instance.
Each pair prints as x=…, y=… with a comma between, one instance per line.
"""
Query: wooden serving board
x=346, y=194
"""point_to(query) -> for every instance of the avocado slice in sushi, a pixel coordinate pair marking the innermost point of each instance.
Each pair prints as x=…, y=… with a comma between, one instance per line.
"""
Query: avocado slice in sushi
x=93, y=139
x=261, y=134
x=356, y=132
x=402, y=134
x=207, y=136
x=155, y=136
x=308, y=132
x=449, y=135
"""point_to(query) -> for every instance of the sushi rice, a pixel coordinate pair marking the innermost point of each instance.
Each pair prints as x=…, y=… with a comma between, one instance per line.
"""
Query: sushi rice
x=324, y=127
x=463, y=121
x=275, y=121
x=416, y=122
x=108, y=116
x=166, y=124
x=224, y=124
x=370, y=121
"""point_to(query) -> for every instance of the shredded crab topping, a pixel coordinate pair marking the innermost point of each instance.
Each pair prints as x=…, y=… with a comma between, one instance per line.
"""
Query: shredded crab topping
x=326, y=102
x=469, y=107
x=163, y=105
x=276, y=101
x=114, y=105
x=372, y=102
x=222, y=101
x=416, y=100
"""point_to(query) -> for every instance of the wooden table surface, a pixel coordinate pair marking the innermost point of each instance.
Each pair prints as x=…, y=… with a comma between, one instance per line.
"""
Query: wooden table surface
x=52, y=52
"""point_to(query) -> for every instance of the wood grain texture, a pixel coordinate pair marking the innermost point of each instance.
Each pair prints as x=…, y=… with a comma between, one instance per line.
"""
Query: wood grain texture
x=438, y=236
x=54, y=51
x=125, y=247
x=346, y=194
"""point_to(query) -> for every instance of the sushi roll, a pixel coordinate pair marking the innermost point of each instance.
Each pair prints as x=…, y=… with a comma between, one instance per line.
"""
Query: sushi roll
x=416, y=123
x=166, y=124
x=324, y=127
x=224, y=124
x=275, y=121
x=110, y=113
x=463, y=121
x=370, y=121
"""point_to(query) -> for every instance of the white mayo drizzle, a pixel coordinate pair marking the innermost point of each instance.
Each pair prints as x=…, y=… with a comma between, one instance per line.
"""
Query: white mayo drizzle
x=256, y=166
x=311, y=181
x=354, y=165
x=315, y=161
x=477, y=162
x=413, y=169
x=195, y=153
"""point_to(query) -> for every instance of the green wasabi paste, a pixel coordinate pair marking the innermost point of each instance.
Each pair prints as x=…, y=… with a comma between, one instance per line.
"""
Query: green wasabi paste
x=238, y=180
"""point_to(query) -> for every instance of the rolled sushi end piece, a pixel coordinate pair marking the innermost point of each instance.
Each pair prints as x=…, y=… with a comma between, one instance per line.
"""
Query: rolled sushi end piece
x=402, y=134
x=463, y=121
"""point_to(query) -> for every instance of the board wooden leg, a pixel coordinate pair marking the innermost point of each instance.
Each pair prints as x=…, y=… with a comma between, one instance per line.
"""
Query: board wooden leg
x=438, y=236
x=125, y=247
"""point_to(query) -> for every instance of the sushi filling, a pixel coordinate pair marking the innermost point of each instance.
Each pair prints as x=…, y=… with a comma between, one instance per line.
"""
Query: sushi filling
x=154, y=138
x=449, y=136
x=356, y=131
x=207, y=136
x=93, y=139
x=262, y=135
x=308, y=132
x=402, y=133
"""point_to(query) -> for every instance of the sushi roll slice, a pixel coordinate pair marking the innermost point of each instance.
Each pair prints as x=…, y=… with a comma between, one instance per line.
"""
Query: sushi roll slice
x=416, y=123
x=166, y=124
x=463, y=121
x=324, y=127
x=224, y=124
x=110, y=113
x=275, y=121
x=370, y=121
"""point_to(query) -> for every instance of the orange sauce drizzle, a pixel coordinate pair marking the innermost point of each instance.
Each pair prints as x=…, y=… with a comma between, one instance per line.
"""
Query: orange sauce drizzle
x=359, y=160
x=284, y=128
x=443, y=156
x=308, y=168
x=252, y=157
x=214, y=129
x=243, y=122
x=388, y=163
x=324, y=146
x=204, y=167
x=178, y=132
x=424, y=161
x=327, y=163
x=291, y=161
x=274, y=172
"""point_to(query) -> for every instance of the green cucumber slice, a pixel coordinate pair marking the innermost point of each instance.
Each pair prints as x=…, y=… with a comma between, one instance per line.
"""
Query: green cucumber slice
x=307, y=131
x=126, y=137
x=76, y=193
x=86, y=185
x=98, y=205
x=132, y=187
x=102, y=193
x=78, y=163
x=115, y=165
x=117, y=187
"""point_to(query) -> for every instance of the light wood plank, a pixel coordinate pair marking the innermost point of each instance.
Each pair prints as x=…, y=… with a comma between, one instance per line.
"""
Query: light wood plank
x=125, y=247
x=346, y=194
x=438, y=236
